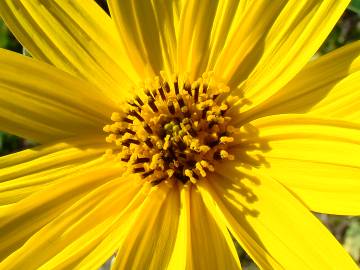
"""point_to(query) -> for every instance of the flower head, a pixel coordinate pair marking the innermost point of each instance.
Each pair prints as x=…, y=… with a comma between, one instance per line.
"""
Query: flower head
x=172, y=127
x=174, y=131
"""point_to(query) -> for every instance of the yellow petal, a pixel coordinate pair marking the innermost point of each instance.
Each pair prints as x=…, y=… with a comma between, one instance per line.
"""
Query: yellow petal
x=151, y=238
x=275, y=229
x=40, y=102
x=225, y=23
x=275, y=39
x=317, y=159
x=77, y=230
x=211, y=243
x=203, y=30
x=22, y=220
x=182, y=252
x=343, y=101
x=93, y=256
x=203, y=241
x=147, y=30
x=326, y=86
x=76, y=36
x=31, y=170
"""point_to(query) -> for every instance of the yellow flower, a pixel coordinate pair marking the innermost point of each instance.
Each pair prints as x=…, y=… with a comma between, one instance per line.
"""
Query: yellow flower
x=171, y=127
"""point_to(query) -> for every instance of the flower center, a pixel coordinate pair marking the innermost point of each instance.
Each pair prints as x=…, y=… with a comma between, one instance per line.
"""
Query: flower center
x=173, y=129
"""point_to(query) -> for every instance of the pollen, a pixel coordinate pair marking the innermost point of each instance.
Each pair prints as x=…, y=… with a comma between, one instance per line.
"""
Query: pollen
x=173, y=129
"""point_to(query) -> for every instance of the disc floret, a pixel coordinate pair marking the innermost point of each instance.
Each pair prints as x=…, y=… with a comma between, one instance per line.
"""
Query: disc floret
x=173, y=129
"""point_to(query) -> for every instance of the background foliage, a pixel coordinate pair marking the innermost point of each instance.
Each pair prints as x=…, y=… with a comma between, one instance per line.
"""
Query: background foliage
x=345, y=229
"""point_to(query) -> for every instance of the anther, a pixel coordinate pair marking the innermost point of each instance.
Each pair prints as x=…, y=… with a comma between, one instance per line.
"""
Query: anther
x=130, y=131
x=148, y=173
x=196, y=94
x=127, y=120
x=127, y=144
x=133, y=104
x=120, y=132
x=138, y=99
x=187, y=88
x=158, y=181
x=147, y=128
x=176, y=86
x=171, y=107
x=166, y=87
x=203, y=116
x=148, y=93
x=186, y=111
x=180, y=100
x=137, y=115
x=205, y=87
x=129, y=141
x=152, y=105
x=154, y=93
x=139, y=170
x=162, y=94
x=141, y=160
x=149, y=143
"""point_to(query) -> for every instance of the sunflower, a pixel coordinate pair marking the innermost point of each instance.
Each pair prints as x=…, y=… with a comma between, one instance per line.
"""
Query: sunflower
x=173, y=127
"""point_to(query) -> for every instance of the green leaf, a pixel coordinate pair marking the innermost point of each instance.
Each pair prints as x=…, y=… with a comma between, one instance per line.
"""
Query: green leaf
x=3, y=35
x=355, y=6
x=10, y=143
x=352, y=239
